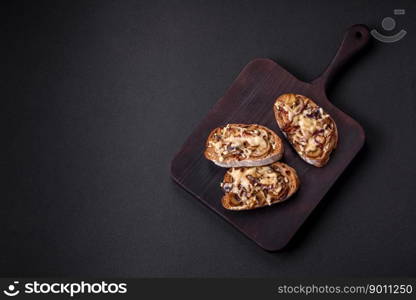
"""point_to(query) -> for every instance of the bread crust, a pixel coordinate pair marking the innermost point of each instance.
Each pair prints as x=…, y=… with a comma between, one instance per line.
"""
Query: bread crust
x=293, y=113
x=216, y=155
x=285, y=185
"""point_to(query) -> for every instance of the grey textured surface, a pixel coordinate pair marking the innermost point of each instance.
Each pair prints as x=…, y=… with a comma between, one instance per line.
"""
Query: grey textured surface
x=98, y=96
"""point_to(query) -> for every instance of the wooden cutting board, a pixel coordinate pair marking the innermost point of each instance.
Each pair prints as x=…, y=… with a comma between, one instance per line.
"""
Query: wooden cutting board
x=250, y=99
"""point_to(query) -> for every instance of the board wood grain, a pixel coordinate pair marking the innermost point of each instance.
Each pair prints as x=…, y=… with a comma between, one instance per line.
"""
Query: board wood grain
x=250, y=99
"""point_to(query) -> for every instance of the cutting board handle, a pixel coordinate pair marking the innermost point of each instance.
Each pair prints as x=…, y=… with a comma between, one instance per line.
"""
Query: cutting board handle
x=355, y=39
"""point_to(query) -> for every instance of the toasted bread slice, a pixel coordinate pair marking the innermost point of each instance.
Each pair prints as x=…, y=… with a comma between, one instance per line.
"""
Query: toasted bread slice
x=254, y=187
x=242, y=145
x=310, y=130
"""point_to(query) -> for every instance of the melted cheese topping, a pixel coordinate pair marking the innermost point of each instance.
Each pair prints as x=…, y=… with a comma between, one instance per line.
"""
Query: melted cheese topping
x=242, y=142
x=307, y=126
x=256, y=184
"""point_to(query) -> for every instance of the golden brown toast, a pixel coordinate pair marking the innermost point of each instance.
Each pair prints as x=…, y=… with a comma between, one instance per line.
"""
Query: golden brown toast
x=311, y=131
x=243, y=145
x=253, y=187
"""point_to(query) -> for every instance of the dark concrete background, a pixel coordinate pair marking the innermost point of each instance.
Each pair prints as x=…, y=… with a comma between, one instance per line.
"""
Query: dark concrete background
x=97, y=96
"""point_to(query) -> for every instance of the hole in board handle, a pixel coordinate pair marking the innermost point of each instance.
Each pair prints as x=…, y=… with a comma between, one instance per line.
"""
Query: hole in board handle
x=358, y=35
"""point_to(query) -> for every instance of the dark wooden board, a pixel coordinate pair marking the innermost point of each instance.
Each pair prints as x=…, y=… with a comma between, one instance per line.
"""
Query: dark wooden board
x=250, y=99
